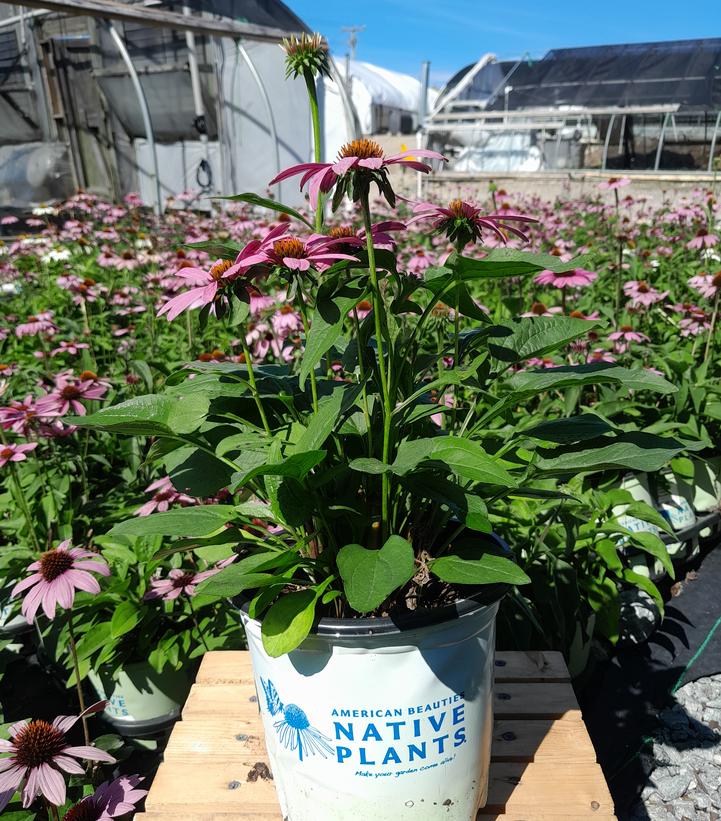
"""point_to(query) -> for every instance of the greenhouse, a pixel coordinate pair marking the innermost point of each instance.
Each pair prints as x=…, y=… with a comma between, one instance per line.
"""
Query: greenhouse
x=643, y=106
x=350, y=470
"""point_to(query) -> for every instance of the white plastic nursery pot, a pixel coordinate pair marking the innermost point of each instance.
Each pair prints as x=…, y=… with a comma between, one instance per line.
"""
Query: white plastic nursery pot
x=706, y=488
x=673, y=503
x=377, y=719
x=139, y=698
x=637, y=485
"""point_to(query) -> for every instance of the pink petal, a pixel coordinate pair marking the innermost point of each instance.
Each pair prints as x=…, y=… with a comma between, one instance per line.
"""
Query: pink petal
x=83, y=581
x=294, y=170
x=31, y=788
x=15, y=728
x=187, y=301
x=374, y=163
x=416, y=166
x=344, y=165
x=50, y=599
x=25, y=583
x=11, y=779
x=91, y=753
x=52, y=784
x=65, y=592
x=32, y=600
x=70, y=765
x=96, y=567
x=417, y=152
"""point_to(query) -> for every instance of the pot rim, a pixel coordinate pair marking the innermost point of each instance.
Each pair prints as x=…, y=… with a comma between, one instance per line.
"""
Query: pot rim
x=484, y=596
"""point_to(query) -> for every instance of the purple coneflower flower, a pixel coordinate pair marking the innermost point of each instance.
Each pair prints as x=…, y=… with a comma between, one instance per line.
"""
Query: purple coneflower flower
x=56, y=575
x=296, y=254
x=357, y=155
x=164, y=495
x=626, y=334
x=110, y=800
x=465, y=221
x=15, y=453
x=539, y=309
x=575, y=278
x=613, y=183
x=69, y=391
x=178, y=582
x=702, y=240
x=599, y=355
x=696, y=323
x=39, y=754
x=707, y=285
x=36, y=324
x=209, y=283
x=641, y=293
x=380, y=234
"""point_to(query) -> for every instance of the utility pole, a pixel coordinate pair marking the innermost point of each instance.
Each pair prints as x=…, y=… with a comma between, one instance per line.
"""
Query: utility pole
x=352, y=38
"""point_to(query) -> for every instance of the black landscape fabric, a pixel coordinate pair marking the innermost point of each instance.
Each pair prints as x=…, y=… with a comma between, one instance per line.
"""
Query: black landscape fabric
x=621, y=703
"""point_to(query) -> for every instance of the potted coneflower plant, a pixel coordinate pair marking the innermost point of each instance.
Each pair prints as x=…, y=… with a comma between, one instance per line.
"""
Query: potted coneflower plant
x=364, y=476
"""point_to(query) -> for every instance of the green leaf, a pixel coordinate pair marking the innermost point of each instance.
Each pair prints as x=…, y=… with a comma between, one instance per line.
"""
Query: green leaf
x=232, y=580
x=469, y=461
x=526, y=337
x=184, y=521
x=487, y=569
x=644, y=511
x=326, y=326
x=597, y=373
x=653, y=545
x=321, y=423
x=370, y=465
x=569, y=430
x=197, y=472
x=507, y=262
x=262, y=202
x=370, y=576
x=126, y=616
x=151, y=415
x=288, y=622
x=298, y=466
x=634, y=450
x=93, y=640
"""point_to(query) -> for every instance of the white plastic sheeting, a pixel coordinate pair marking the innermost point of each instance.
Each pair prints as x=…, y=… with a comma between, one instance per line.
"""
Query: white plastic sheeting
x=379, y=96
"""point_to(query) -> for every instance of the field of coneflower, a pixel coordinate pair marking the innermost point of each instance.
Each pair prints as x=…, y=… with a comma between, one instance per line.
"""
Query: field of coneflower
x=101, y=303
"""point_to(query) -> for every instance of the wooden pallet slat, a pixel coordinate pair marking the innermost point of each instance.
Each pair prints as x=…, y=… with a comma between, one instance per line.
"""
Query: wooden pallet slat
x=538, y=729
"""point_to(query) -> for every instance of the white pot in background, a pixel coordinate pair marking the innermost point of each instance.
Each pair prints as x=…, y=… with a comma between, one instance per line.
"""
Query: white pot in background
x=637, y=485
x=645, y=565
x=706, y=489
x=138, y=695
x=674, y=506
x=381, y=720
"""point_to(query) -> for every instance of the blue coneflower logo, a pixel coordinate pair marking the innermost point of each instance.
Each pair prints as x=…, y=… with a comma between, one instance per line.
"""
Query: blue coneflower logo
x=294, y=729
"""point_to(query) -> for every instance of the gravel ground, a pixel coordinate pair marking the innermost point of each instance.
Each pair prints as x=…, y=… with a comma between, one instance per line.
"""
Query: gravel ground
x=685, y=761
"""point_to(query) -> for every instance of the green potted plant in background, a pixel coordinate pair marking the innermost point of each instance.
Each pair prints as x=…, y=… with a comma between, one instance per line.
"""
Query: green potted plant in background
x=138, y=640
x=366, y=480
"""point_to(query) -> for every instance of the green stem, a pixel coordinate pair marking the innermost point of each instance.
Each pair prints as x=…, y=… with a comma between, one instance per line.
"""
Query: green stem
x=378, y=322
x=189, y=329
x=25, y=506
x=362, y=369
x=306, y=328
x=253, y=386
x=197, y=625
x=712, y=329
x=78, y=685
x=317, y=155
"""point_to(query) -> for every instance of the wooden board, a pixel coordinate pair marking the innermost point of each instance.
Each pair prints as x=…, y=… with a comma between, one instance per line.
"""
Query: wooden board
x=538, y=730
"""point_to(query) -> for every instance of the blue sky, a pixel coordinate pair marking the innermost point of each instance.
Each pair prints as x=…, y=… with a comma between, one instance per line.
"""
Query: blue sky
x=400, y=34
